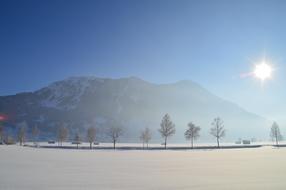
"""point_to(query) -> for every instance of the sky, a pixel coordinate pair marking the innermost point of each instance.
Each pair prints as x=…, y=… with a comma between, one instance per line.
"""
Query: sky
x=210, y=42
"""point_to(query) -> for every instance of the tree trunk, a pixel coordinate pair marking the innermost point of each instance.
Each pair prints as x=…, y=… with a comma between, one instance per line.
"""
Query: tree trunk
x=217, y=139
x=165, y=143
x=147, y=145
x=77, y=145
x=192, y=140
x=114, y=144
x=90, y=145
x=276, y=141
x=143, y=146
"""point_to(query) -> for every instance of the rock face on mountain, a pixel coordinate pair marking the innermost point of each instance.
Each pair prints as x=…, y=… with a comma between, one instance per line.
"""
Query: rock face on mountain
x=132, y=103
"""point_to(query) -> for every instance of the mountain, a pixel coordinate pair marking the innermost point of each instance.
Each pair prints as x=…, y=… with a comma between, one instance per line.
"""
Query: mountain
x=133, y=103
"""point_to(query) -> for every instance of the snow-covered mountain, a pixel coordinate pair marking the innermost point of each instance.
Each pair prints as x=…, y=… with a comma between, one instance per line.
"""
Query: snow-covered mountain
x=129, y=102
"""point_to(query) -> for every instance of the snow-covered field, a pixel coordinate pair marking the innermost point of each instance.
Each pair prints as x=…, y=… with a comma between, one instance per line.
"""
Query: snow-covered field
x=24, y=168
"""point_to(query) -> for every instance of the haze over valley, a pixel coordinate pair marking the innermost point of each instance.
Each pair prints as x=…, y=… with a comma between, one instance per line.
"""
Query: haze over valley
x=132, y=103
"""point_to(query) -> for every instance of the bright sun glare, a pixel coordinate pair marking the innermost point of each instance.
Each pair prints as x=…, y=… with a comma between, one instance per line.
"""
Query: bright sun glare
x=263, y=71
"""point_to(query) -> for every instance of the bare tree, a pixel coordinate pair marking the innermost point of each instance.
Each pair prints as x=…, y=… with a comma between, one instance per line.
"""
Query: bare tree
x=1, y=133
x=192, y=133
x=91, y=135
x=275, y=133
x=145, y=136
x=22, y=132
x=77, y=139
x=217, y=130
x=114, y=133
x=62, y=134
x=35, y=133
x=167, y=128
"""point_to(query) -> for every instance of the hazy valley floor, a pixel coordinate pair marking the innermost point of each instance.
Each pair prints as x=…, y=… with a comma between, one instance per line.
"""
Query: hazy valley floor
x=23, y=168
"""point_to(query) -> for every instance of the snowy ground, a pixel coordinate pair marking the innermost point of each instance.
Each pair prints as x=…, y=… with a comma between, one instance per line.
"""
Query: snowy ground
x=24, y=168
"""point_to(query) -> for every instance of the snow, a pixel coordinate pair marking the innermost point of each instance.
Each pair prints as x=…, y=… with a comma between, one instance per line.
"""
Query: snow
x=34, y=168
x=73, y=87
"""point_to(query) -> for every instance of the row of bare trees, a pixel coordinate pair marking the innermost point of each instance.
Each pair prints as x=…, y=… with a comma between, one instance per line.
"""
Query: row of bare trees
x=193, y=132
x=166, y=130
x=62, y=135
x=113, y=132
x=21, y=135
x=63, y=132
x=217, y=130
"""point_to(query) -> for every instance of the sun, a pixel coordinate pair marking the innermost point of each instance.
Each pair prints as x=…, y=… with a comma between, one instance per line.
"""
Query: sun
x=263, y=71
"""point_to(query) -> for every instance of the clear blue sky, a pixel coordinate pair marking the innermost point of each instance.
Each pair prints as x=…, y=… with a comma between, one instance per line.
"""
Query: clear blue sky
x=210, y=42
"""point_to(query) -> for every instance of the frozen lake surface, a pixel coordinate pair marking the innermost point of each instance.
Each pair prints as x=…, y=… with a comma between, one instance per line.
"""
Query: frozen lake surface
x=24, y=168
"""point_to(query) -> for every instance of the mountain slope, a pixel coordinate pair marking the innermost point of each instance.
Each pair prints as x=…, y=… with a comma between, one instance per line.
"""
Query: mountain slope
x=130, y=102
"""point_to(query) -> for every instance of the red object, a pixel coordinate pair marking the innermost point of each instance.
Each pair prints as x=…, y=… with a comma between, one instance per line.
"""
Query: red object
x=3, y=117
